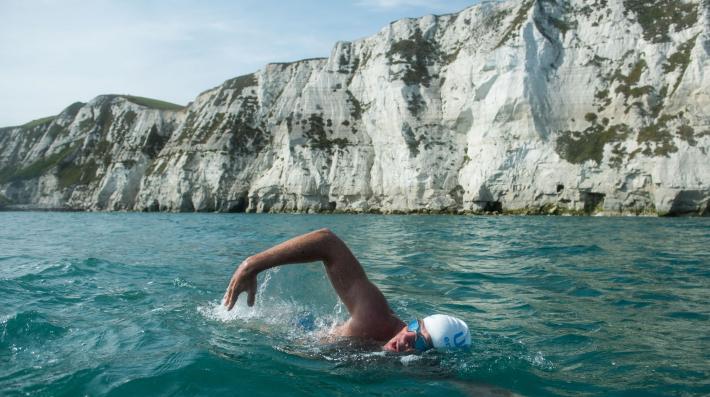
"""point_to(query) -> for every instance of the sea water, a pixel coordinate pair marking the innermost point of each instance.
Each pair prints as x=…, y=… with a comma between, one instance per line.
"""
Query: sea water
x=127, y=304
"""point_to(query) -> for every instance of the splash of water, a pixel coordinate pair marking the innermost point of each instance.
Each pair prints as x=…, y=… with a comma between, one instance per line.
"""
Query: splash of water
x=276, y=313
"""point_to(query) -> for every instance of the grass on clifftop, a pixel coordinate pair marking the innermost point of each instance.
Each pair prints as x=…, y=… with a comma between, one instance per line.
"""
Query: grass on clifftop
x=152, y=103
x=238, y=84
x=32, y=124
x=71, y=110
x=38, y=122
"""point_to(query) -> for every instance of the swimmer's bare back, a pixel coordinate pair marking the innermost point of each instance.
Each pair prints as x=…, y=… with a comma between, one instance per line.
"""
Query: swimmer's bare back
x=370, y=314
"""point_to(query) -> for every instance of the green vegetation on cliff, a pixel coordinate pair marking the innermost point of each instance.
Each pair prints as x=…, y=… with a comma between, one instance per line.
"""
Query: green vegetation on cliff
x=655, y=138
x=39, y=122
x=517, y=22
x=318, y=136
x=4, y=201
x=580, y=146
x=657, y=17
x=417, y=53
x=37, y=168
x=73, y=109
x=71, y=173
x=680, y=60
x=628, y=82
x=238, y=84
x=152, y=103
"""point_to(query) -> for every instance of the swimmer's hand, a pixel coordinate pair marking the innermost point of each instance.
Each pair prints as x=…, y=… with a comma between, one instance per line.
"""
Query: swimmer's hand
x=243, y=280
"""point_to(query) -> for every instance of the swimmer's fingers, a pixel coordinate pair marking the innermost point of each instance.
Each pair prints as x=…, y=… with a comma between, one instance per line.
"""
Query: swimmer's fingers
x=240, y=282
x=248, y=286
x=227, y=299
x=230, y=296
x=251, y=297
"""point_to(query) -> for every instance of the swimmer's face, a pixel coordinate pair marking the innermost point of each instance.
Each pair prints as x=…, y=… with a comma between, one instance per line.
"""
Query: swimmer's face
x=405, y=340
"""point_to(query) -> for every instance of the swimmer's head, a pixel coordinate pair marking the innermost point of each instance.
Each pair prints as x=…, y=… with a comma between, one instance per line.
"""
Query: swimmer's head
x=447, y=332
x=437, y=331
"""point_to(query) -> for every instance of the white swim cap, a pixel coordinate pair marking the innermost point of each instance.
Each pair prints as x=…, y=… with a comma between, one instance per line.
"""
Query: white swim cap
x=447, y=331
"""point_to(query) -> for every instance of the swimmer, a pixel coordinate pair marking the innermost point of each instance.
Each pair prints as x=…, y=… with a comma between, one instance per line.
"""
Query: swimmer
x=370, y=314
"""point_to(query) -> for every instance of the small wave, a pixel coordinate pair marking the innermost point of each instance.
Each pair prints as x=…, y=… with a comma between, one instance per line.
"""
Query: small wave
x=624, y=303
x=571, y=339
x=657, y=296
x=182, y=283
x=174, y=361
x=688, y=316
x=578, y=249
x=28, y=327
x=124, y=295
x=584, y=291
x=70, y=268
x=277, y=314
x=16, y=266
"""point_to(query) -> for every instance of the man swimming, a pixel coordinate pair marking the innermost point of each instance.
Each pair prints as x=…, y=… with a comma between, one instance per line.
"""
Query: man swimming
x=370, y=314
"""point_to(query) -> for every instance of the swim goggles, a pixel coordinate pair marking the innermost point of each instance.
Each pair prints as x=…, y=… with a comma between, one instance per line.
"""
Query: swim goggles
x=420, y=342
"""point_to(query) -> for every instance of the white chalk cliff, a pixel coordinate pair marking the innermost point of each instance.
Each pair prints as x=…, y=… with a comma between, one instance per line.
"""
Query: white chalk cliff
x=596, y=106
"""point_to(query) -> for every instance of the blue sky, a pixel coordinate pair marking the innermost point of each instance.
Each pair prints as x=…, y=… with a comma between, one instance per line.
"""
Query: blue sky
x=55, y=52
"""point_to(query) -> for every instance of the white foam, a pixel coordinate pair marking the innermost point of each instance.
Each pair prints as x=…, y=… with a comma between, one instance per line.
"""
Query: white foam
x=273, y=306
x=541, y=362
x=409, y=359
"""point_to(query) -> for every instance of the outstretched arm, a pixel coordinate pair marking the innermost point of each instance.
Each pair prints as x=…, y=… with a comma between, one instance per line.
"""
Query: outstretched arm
x=369, y=311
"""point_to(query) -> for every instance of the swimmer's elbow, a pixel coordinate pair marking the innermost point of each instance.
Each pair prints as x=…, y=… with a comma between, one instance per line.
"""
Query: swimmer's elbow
x=325, y=232
x=327, y=236
x=333, y=247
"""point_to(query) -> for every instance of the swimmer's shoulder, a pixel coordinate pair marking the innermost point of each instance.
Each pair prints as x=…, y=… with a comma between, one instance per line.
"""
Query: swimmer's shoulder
x=381, y=330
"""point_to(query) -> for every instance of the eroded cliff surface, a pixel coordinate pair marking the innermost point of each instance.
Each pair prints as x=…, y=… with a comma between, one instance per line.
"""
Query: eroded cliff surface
x=523, y=106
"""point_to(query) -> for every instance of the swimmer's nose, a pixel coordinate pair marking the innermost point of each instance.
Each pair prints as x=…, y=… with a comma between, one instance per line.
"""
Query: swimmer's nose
x=397, y=345
x=403, y=343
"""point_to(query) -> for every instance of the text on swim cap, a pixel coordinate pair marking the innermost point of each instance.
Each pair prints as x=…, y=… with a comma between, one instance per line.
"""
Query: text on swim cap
x=459, y=340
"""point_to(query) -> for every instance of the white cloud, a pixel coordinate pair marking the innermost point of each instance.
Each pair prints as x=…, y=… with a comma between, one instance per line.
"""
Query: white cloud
x=390, y=4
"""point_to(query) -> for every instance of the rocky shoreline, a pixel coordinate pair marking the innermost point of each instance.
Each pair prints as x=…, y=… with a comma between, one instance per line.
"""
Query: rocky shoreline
x=544, y=211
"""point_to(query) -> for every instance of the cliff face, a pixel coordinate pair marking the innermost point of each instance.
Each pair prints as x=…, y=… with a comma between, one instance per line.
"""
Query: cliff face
x=523, y=106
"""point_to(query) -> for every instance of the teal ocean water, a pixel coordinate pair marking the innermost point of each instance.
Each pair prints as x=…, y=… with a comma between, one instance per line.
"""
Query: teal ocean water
x=123, y=304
